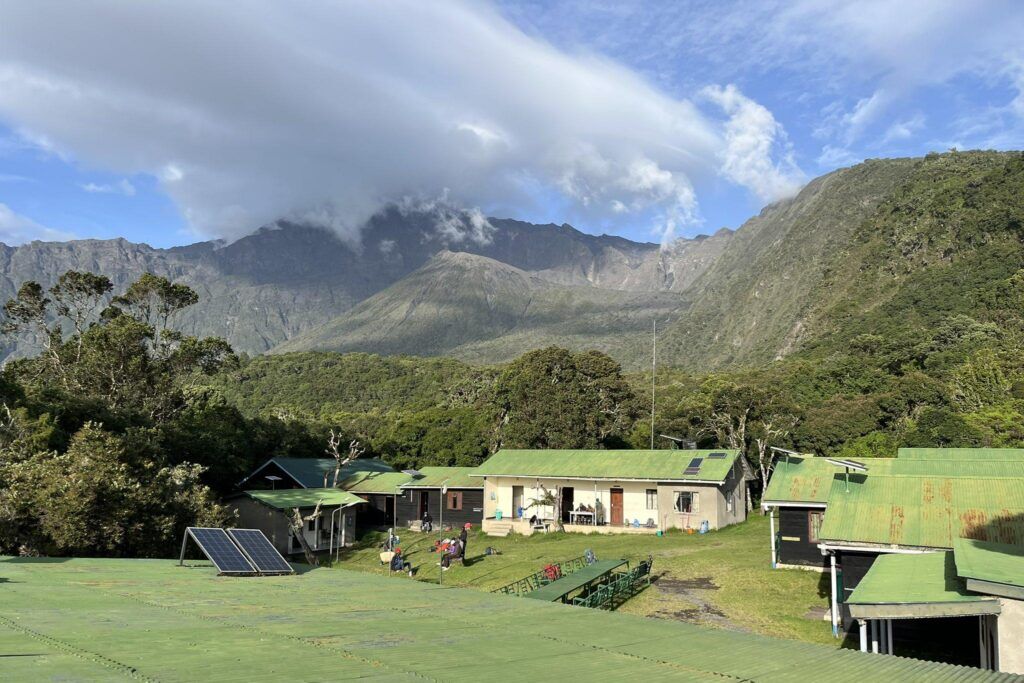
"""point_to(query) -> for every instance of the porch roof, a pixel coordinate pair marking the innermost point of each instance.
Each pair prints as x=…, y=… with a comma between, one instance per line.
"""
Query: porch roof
x=450, y=477
x=616, y=465
x=916, y=586
x=994, y=568
x=375, y=482
x=285, y=499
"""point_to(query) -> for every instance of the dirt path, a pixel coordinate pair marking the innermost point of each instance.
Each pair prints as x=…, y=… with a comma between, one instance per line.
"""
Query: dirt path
x=688, y=600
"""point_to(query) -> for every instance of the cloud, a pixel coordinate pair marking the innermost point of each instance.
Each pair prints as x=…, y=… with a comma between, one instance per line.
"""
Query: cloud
x=752, y=135
x=871, y=58
x=904, y=129
x=249, y=112
x=120, y=187
x=16, y=229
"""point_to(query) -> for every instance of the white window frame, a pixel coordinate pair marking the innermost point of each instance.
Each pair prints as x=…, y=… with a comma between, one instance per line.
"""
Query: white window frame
x=694, y=502
x=652, y=498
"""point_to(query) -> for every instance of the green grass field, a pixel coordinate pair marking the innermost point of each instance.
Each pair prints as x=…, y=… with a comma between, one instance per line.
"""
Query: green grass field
x=721, y=579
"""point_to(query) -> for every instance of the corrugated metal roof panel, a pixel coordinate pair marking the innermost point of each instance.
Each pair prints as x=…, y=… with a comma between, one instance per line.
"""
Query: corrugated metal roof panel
x=924, y=511
x=450, y=477
x=656, y=465
x=374, y=482
x=284, y=499
x=961, y=453
x=373, y=627
x=988, y=561
x=808, y=479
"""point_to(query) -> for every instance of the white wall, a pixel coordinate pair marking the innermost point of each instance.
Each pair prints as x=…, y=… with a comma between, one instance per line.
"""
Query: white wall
x=1011, y=636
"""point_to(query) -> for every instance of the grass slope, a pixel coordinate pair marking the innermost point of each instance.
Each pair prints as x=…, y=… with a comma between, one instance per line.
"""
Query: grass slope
x=748, y=595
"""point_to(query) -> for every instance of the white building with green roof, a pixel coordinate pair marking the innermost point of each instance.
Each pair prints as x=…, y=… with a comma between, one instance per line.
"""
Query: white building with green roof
x=614, y=490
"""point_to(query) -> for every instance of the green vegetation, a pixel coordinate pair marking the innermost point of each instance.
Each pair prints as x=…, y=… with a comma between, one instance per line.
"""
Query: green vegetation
x=107, y=444
x=892, y=294
x=704, y=579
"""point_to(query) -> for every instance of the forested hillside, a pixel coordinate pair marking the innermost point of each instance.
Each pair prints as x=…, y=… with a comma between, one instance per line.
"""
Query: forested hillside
x=910, y=333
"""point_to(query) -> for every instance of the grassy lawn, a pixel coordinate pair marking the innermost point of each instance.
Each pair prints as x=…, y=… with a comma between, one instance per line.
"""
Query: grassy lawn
x=720, y=579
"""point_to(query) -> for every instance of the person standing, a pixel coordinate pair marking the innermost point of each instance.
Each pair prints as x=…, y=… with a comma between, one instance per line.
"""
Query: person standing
x=462, y=541
x=427, y=524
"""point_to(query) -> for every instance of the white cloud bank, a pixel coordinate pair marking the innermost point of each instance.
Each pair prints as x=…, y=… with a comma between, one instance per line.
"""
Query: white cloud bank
x=16, y=229
x=249, y=112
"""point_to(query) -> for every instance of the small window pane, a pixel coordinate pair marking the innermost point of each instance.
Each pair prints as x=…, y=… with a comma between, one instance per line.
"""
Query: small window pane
x=814, y=520
x=652, y=499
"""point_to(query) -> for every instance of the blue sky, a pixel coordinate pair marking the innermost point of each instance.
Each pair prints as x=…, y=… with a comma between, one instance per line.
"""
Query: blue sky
x=644, y=119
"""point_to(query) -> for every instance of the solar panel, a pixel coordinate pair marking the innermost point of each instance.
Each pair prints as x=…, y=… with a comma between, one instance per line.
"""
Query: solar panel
x=694, y=466
x=217, y=546
x=716, y=456
x=260, y=551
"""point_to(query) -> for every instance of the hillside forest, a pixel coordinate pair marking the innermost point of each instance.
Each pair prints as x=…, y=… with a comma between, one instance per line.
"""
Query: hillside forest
x=123, y=429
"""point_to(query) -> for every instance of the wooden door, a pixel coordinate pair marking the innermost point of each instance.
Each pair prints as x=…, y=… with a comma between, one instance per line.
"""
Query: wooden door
x=616, y=507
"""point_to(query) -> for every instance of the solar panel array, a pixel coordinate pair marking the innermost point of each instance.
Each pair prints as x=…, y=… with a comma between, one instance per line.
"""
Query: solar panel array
x=694, y=466
x=716, y=456
x=259, y=551
x=217, y=546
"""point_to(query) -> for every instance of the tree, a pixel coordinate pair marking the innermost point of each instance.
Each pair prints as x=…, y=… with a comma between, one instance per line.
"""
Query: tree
x=553, y=398
x=775, y=419
x=154, y=300
x=297, y=525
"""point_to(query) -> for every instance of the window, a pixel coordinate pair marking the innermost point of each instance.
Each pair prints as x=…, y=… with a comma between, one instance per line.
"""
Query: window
x=814, y=520
x=455, y=500
x=311, y=525
x=730, y=504
x=687, y=501
x=652, y=499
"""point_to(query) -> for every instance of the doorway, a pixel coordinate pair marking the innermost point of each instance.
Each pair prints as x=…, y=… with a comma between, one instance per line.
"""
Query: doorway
x=389, y=511
x=517, y=501
x=424, y=503
x=616, y=500
x=568, y=496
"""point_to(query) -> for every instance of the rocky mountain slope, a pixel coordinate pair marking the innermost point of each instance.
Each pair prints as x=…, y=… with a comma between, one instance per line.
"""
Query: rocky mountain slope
x=414, y=284
x=270, y=287
x=476, y=308
x=851, y=243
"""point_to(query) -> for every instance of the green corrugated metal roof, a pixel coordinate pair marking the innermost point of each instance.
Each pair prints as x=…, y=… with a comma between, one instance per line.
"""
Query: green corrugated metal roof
x=808, y=479
x=92, y=619
x=285, y=499
x=961, y=453
x=657, y=465
x=310, y=471
x=916, y=586
x=925, y=512
x=924, y=577
x=451, y=477
x=988, y=561
x=374, y=482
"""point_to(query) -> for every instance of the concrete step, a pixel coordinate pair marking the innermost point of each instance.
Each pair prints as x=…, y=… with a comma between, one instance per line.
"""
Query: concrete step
x=499, y=528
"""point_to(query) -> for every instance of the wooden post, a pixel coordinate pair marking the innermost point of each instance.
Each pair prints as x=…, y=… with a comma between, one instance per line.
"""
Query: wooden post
x=771, y=527
x=888, y=636
x=863, y=628
x=835, y=596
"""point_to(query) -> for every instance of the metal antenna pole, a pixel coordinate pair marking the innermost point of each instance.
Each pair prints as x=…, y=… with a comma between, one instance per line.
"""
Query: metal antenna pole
x=654, y=370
